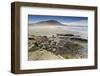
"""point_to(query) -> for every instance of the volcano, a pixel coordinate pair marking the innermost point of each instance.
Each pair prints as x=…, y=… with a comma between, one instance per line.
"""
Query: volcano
x=48, y=22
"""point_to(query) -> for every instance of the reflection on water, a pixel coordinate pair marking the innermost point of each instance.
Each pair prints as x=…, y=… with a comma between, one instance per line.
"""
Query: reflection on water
x=83, y=29
x=52, y=30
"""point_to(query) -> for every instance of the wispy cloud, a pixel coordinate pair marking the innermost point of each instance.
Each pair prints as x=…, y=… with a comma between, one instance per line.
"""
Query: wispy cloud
x=78, y=23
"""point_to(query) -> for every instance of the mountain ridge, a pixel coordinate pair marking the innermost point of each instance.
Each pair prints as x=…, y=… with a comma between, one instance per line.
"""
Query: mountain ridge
x=54, y=22
x=50, y=22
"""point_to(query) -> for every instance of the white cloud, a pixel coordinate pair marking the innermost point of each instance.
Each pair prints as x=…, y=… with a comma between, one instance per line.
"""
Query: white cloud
x=79, y=23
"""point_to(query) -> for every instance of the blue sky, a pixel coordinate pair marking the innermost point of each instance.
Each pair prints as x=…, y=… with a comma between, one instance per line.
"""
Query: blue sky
x=62, y=19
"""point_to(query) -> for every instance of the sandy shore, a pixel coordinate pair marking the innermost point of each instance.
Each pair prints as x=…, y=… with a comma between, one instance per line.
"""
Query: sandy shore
x=43, y=55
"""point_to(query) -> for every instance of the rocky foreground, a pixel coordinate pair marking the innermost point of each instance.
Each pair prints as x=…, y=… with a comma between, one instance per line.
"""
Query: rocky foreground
x=61, y=46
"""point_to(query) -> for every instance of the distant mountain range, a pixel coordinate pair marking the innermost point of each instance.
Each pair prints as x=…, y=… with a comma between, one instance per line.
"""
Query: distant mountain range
x=48, y=22
x=54, y=23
